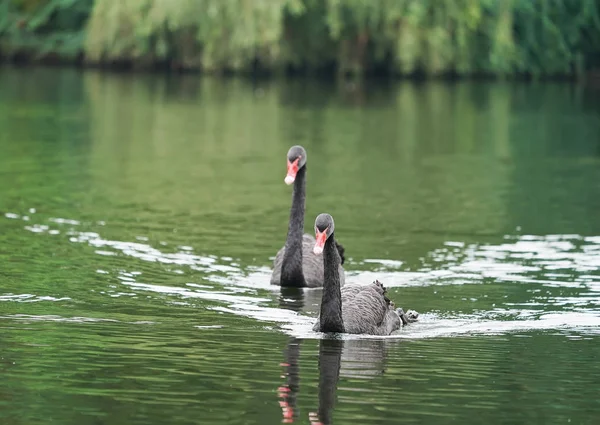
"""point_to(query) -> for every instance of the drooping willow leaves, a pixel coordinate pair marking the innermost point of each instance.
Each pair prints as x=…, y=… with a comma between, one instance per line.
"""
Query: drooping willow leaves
x=38, y=27
x=434, y=37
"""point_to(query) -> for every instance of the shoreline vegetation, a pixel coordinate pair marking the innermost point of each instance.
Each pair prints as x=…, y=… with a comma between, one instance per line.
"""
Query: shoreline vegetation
x=539, y=39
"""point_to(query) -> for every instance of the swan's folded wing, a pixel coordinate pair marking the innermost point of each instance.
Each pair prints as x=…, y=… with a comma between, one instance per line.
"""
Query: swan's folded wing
x=276, y=275
x=312, y=264
x=349, y=291
x=364, y=308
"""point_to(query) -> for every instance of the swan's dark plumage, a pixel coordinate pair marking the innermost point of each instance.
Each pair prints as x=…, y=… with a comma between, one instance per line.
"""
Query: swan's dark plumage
x=295, y=264
x=312, y=265
x=353, y=308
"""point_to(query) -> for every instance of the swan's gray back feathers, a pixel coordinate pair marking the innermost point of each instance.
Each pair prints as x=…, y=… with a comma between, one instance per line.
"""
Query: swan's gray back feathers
x=366, y=310
x=312, y=264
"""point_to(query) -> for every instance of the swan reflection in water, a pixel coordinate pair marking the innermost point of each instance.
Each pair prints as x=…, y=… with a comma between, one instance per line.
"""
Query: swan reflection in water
x=354, y=358
x=362, y=359
x=307, y=302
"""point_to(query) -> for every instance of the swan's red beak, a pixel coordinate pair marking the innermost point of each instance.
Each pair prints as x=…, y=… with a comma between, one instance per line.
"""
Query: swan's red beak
x=321, y=238
x=292, y=171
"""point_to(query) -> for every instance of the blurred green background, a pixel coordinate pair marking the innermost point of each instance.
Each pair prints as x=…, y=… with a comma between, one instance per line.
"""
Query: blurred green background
x=534, y=38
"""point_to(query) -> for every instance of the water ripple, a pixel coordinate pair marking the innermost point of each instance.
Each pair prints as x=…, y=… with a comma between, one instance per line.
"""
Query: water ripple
x=552, y=261
x=524, y=259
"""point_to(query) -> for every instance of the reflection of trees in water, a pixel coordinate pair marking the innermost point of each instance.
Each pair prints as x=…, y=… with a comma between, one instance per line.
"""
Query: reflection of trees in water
x=424, y=181
x=347, y=358
x=555, y=159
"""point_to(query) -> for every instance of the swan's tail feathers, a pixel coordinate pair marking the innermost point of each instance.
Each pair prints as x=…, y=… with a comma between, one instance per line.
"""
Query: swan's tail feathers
x=341, y=251
x=383, y=290
x=378, y=283
x=409, y=317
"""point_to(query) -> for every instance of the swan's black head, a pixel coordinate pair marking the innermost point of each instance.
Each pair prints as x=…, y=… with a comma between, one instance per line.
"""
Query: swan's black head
x=324, y=227
x=296, y=159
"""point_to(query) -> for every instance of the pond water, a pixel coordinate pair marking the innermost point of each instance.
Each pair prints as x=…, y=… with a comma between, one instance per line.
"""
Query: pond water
x=139, y=216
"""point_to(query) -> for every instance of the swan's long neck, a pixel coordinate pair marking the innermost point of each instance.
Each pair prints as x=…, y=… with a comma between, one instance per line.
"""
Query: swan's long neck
x=291, y=267
x=331, y=303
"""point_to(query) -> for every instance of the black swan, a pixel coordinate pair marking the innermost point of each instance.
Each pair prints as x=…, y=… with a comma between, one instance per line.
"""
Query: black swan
x=295, y=264
x=353, y=309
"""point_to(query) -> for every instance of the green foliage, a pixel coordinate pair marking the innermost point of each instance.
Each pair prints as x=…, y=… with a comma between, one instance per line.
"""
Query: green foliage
x=43, y=26
x=212, y=34
x=435, y=37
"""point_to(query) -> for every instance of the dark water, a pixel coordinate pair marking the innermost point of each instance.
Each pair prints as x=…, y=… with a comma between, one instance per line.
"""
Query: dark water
x=140, y=215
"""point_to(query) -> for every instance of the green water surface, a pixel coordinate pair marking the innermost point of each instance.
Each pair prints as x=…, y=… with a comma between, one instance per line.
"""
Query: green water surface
x=140, y=215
